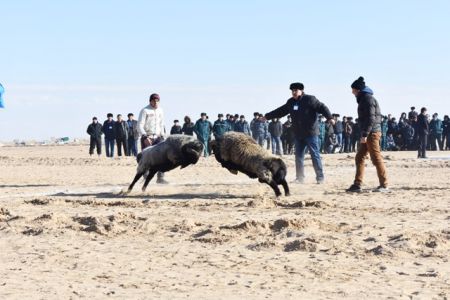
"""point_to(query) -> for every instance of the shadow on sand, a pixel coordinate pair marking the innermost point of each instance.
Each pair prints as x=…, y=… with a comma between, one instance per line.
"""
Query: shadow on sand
x=24, y=185
x=178, y=196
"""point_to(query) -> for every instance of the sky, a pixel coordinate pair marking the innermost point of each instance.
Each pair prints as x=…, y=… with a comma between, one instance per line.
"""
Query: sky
x=63, y=62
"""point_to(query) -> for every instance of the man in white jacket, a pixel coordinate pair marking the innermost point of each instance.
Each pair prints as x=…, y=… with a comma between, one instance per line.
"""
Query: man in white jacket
x=151, y=127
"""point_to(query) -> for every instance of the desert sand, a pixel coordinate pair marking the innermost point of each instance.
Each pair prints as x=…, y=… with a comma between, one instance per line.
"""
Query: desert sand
x=66, y=232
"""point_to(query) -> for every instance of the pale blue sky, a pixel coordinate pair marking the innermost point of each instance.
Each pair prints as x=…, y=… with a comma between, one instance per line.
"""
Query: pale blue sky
x=63, y=62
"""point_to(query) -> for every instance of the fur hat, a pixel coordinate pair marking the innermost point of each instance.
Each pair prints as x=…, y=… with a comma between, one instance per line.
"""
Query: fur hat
x=297, y=86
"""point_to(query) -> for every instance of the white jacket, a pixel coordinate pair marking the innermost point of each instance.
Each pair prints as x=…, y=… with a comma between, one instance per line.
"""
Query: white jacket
x=151, y=121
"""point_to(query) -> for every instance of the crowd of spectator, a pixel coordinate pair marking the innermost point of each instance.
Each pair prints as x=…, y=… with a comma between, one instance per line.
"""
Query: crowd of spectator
x=342, y=137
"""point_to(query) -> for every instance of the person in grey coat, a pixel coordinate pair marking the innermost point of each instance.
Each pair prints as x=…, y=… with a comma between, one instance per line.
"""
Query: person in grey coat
x=276, y=130
x=133, y=135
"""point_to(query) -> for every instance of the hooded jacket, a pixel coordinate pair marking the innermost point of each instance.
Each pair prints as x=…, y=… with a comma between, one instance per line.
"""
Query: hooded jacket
x=304, y=112
x=369, y=113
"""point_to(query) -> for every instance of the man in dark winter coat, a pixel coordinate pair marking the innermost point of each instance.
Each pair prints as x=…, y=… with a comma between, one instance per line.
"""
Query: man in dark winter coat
x=422, y=132
x=347, y=137
x=188, y=126
x=121, y=129
x=95, y=131
x=436, y=132
x=369, y=118
x=304, y=110
x=446, y=133
x=288, y=136
x=412, y=114
x=242, y=126
x=338, y=130
x=176, y=128
x=108, y=129
x=133, y=135
x=203, y=130
x=220, y=127
x=276, y=130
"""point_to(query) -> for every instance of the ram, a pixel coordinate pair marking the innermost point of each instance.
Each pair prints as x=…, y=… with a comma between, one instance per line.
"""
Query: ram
x=175, y=151
x=240, y=153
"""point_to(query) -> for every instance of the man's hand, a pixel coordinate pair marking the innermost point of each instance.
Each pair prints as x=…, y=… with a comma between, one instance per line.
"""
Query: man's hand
x=363, y=140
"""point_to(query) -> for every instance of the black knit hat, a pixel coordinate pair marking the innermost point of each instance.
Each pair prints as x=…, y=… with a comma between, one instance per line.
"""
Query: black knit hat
x=297, y=86
x=359, y=84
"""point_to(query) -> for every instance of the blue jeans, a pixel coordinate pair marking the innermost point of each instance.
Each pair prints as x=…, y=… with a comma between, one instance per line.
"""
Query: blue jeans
x=109, y=144
x=260, y=140
x=276, y=145
x=312, y=142
x=132, y=146
x=339, y=138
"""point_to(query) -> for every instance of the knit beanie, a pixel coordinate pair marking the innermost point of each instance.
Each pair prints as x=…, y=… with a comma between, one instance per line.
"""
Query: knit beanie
x=359, y=84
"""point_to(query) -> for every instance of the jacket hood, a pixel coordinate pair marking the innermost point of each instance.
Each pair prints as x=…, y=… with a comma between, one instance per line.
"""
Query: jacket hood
x=367, y=90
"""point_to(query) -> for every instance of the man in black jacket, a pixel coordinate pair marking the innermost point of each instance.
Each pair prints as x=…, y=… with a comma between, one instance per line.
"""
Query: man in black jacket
x=110, y=134
x=95, y=131
x=369, y=117
x=422, y=132
x=121, y=133
x=304, y=110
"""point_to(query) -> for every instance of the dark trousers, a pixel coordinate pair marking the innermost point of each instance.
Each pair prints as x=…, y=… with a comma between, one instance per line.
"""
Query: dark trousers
x=132, y=146
x=423, y=142
x=121, y=142
x=436, y=138
x=95, y=142
x=312, y=143
x=109, y=146
x=347, y=141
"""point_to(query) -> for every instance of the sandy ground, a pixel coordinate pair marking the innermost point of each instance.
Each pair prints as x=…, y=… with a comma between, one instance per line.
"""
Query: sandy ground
x=67, y=233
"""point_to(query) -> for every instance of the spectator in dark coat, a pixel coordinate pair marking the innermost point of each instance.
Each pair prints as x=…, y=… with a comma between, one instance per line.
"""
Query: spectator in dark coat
x=329, y=134
x=347, y=137
x=176, y=128
x=436, y=132
x=260, y=130
x=276, y=130
x=121, y=132
x=95, y=132
x=408, y=136
x=110, y=134
x=304, y=110
x=188, y=126
x=252, y=125
x=384, y=130
x=422, y=132
x=446, y=133
x=230, y=121
x=332, y=143
x=133, y=135
x=220, y=126
x=356, y=136
x=242, y=126
x=203, y=130
x=288, y=136
x=338, y=130
x=412, y=114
